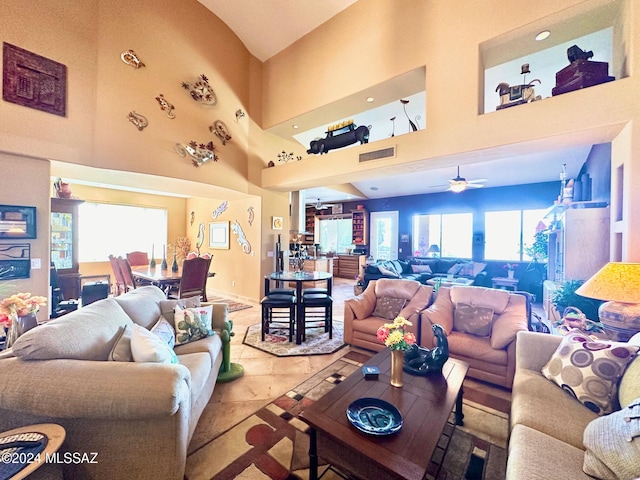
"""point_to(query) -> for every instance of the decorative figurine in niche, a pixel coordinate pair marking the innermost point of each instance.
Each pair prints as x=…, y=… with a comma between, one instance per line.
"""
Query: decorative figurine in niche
x=425, y=361
x=517, y=94
x=63, y=189
x=340, y=135
x=581, y=72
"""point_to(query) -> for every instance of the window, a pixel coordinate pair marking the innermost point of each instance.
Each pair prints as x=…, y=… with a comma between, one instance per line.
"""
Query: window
x=106, y=229
x=335, y=234
x=451, y=232
x=507, y=234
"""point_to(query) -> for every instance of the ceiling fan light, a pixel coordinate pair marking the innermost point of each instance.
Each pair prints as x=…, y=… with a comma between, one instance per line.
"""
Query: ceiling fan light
x=457, y=187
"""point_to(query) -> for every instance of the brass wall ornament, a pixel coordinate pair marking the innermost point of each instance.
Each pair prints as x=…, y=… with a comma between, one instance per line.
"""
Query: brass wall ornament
x=139, y=120
x=201, y=91
x=166, y=106
x=198, y=153
x=130, y=58
x=219, y=129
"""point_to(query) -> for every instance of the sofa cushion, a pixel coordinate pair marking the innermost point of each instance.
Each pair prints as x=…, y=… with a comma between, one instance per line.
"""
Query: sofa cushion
x=389, y=287
x=388, y=271
x=441, y=311
x=388, y=307
x=142, y=305
x=589, y=370
x=121, y=351
x=511, y=321
x=629, y=388
x=613, y=446
x=471, y=269
x=455, y=269
x=86, y=334
x=148, y=347
x=192, y=324
x=481, y=296
x=472, y=319
x=199, y=367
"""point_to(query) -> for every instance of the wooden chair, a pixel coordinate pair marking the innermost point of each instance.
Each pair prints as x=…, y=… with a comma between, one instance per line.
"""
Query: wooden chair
x=118, y=287
x=138, y=258
x=193, y=280
x=128, y=279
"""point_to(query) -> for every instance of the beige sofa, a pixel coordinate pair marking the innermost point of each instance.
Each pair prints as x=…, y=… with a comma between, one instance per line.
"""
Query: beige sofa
x=137, y=417
x=360, y=320
x=547, y=425
x=491, y=358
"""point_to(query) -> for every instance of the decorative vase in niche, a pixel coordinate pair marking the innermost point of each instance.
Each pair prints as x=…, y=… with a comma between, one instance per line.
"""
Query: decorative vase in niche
x=510, y=274
x=174, y=265
x=397, y=360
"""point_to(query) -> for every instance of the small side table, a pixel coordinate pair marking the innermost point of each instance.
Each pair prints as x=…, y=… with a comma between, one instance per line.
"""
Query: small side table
x=55, y=437
x=504, y=283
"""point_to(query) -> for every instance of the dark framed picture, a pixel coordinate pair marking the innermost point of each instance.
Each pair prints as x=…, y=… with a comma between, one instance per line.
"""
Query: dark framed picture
x=17, y=222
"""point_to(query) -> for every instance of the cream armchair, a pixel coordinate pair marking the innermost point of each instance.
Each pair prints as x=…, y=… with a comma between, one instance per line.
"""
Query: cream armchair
x=481, y=326
x=361, y=313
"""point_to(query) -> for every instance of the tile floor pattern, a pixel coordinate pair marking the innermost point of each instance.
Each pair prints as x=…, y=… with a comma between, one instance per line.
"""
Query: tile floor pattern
x=268, y=377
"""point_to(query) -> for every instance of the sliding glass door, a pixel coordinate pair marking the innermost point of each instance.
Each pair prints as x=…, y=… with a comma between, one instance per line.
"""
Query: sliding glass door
x=383, y=238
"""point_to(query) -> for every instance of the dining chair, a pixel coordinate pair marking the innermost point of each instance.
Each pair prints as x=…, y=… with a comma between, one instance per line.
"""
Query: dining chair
x=118, y=286
x=138, y=258
x=193, y=280
x=128, y=279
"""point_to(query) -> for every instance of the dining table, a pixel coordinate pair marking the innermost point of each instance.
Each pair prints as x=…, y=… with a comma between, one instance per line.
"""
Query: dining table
x=164, y=278
x=299, y=278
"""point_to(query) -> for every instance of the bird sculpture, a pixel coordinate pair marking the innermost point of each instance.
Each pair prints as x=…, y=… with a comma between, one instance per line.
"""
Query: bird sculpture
x=425, y=361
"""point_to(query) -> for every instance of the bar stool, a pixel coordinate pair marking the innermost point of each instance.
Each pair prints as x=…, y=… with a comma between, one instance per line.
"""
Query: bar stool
x=315, y=290
x=317, y=308
x=276, y=291
x=274, y=311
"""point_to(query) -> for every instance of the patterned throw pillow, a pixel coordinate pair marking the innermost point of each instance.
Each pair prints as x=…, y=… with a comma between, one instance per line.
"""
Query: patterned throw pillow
x=192, y=324
x=473, y=319
x=388, y=307
x=589, y=369
x=165, y=331
x=612, y=444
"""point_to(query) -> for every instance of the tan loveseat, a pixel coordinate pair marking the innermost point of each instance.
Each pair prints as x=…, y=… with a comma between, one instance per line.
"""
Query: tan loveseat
x=547, y=424
x=137, y=417
x=491, y=358
x=360, y=320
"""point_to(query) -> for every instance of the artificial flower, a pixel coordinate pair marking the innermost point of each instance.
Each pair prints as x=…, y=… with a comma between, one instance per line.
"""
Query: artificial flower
x=19, y=305
x=510, y=266
x=394, y=336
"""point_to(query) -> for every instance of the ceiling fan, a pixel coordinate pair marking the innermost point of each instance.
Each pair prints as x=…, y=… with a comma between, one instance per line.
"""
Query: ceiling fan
x=460, y=184
x=321, y=206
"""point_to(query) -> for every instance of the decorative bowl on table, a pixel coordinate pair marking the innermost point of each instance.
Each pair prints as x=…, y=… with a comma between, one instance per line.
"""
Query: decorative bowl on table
x=374, y=416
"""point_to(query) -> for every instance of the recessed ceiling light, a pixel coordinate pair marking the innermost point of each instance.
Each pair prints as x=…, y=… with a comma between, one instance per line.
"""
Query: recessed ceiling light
x=373, y=188
x=543, y=35
x=295, y=127
x=370, y=99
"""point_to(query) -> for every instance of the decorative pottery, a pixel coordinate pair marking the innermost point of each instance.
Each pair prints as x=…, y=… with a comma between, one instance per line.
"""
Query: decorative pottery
x=397, y=361
x=174, y=265
x=152, y=262
x=164, y=265
x=510, y=274
x=427, y=361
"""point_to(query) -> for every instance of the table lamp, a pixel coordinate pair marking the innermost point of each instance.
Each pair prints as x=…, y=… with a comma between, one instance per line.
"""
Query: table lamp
x=618, y=283
x=434, y=250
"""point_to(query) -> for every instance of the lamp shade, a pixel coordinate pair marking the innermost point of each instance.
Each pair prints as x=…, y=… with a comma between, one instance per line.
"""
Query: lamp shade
x=619, y=284
x=616, y=281
x=434, y=249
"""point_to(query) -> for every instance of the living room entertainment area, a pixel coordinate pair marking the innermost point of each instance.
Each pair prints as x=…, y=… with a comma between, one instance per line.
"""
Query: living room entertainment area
x=440, y=189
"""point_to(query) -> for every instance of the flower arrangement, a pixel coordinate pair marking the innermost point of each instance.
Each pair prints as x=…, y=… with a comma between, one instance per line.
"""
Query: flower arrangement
x=510, y=267
x=359, y=280
x=19, y=305
x=393, y=335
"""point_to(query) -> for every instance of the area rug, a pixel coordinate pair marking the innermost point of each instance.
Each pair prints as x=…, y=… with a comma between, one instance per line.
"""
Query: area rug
x=277, y=341
x=273, y=442
x=234, y=306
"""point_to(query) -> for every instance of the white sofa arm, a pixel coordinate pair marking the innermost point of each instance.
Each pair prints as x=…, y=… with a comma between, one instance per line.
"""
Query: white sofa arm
x=93, y=389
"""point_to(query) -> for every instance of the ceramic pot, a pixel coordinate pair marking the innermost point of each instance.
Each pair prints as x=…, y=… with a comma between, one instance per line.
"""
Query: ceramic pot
x=510, y=273
x=397, y=360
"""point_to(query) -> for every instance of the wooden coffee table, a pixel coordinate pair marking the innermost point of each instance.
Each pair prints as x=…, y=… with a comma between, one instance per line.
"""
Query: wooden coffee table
x=424, y=402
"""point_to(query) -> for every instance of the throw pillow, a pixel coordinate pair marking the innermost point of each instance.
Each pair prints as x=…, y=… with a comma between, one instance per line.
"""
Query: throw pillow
x=589, y=370
x=629, y=387
x=421, y=269
x=388, y=272
x=121, y=351
x=192, y=324
x=388, y=307
x=466, y=269
x=612, y=445
x=165, y=331
x=167, y=307
x=472, y=319
x=455, y=269
x=147, y=347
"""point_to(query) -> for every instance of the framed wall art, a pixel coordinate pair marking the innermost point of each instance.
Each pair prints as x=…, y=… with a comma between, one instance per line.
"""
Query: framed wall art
x=276, y=223
x=219, y=235
x=33, y=81
x=17, y=222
